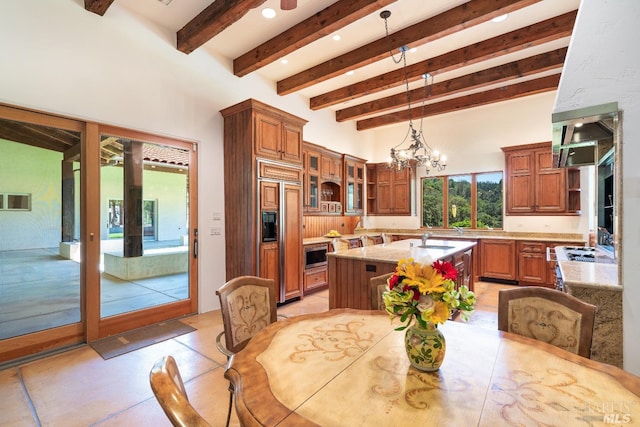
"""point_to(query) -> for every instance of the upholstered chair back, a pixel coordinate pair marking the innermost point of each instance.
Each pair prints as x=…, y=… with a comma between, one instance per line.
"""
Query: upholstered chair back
x=378, y=285
x=248, y=304
x=548, y=315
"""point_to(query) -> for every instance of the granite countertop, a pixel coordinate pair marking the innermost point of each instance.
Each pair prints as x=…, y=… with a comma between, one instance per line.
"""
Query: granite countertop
x=601, y=275
x=322, y=239
x=408, y=248
x=474, y=234
x=483, y=234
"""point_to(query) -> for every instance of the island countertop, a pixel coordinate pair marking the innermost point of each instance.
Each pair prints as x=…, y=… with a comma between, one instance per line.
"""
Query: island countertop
x=350, y=271
x=408, y=248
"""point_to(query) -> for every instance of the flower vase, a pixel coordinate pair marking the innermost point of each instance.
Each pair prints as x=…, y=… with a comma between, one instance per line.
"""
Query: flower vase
x=425, y=347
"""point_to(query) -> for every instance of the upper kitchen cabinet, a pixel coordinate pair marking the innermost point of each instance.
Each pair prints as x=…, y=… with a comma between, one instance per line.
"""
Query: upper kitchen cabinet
x=388, y=190
x=535, y=187
x=311, y=180
x=353, y=185
x=278, y=135
x=331, y=166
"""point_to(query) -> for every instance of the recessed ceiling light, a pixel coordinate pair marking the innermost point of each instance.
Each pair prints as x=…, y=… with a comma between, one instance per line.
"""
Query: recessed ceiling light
x=284, y=61
x=578, y=125
x=413, y=50
x=336, y=37
x=165, y=1
x=500, y=18
x=268, y=13
x=350, y=73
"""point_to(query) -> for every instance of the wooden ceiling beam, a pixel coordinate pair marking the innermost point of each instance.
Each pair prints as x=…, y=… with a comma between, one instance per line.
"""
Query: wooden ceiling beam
x=98, y=7
x=525, y=67
x=211, y=21
x=49, y=138
x=506, y=93
x=323, y=23
x=533, y=35
x=464, y=16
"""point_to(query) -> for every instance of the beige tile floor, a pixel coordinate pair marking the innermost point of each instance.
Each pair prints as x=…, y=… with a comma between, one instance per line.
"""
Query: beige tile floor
x=79, y=388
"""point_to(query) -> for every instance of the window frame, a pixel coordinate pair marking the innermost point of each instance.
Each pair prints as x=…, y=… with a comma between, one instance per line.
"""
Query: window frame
x=445, y=198
x=5, y=205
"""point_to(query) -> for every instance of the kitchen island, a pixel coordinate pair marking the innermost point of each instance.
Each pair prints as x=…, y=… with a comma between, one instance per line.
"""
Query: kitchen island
x=351, y=270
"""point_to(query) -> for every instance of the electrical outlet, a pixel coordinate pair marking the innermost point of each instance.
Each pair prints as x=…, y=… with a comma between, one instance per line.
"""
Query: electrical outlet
x=216, y=231
x=217, y=216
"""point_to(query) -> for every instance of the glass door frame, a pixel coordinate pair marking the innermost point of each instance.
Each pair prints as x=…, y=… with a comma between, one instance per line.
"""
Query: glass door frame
x=98, y=327
x=60, y=336
x=91, y=327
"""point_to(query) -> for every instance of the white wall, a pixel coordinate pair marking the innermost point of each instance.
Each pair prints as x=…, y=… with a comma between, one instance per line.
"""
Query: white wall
x=603, y=65
x=472, y=140
x=37, y=173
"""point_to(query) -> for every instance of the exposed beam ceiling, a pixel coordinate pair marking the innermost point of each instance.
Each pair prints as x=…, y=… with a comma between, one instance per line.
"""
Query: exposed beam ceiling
x=473, y=63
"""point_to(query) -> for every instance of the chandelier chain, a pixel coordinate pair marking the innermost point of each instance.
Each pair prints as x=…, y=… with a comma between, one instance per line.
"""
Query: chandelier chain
x=418, y=153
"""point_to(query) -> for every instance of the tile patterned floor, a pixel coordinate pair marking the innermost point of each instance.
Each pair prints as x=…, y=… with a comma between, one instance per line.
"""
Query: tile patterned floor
x=79, y=388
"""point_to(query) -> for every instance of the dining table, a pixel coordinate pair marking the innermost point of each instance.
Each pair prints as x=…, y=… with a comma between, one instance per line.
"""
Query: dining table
x=347, y=367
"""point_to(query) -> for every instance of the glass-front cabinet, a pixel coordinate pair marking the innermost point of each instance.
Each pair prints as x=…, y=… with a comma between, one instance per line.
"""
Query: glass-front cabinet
x=354, y=188
x=312, y=181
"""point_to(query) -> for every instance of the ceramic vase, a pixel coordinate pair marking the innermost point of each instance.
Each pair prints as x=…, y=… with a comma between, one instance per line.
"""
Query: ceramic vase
x=425, y=347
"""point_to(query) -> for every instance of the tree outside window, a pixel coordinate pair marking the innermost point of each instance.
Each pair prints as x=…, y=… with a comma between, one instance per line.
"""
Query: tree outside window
x=489, y=200
x=466, y=201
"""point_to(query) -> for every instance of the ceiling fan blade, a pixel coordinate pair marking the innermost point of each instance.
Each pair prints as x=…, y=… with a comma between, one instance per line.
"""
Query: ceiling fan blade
x=288, y=4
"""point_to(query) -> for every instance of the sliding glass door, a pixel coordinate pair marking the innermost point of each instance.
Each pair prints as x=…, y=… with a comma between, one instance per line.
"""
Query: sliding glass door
x=40, y=272
x=97, y=231
x=147, y=240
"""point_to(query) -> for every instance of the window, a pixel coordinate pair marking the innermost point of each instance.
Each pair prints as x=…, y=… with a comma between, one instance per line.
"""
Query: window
x=459, y=201
x=489, y=200
x=15, y=202
x=467, y=201
x=432, y=202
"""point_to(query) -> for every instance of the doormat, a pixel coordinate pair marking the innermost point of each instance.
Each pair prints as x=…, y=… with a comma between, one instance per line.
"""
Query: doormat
x=117, y=345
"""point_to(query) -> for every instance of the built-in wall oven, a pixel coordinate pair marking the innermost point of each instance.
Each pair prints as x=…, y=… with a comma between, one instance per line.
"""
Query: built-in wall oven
x=315, y=255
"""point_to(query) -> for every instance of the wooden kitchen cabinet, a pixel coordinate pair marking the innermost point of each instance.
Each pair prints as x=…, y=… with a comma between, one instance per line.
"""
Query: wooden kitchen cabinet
x=263, y=162
x=354, y=170
x=277, y=138
x=311, y=180
x=315, y=279
x=331, y=169
x=532, y=263
x=391, y=189
x=498, y=259
x=463, y=261
x=534, y=186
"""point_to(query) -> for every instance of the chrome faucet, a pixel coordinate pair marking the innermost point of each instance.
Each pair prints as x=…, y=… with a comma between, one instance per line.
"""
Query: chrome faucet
x=425, y=236
x=458, y=229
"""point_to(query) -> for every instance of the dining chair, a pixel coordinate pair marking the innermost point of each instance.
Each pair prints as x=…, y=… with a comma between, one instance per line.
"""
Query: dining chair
x=248, y=305
x=548, y=315
x=386, y=238
x=340, y=244
x=378, y=285
x=367, y=240
x=168, y=388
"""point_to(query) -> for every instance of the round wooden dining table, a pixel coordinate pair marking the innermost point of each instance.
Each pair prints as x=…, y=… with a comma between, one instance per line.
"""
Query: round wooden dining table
x=348, y=367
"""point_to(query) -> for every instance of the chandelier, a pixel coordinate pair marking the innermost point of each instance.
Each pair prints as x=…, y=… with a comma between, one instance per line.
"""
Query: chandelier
x=418, y=152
